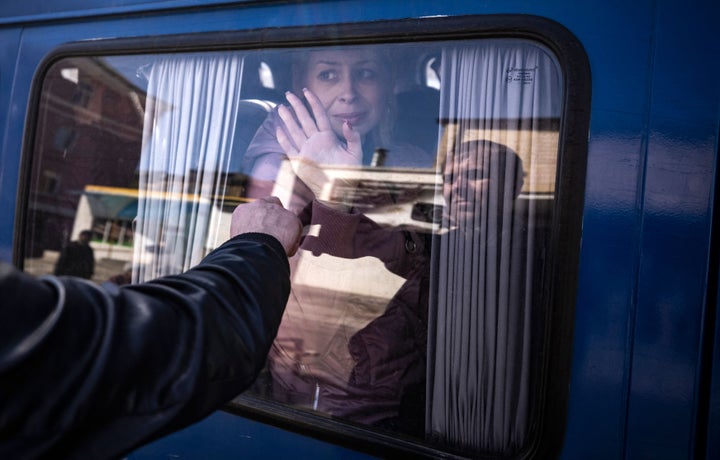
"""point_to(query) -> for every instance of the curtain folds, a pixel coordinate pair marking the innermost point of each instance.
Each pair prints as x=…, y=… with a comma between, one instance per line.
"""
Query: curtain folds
x=493, y=98
x=187, y=140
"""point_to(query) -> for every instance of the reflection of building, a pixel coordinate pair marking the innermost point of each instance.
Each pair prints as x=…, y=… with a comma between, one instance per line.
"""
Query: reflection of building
x=112, y=211
x=89, y=131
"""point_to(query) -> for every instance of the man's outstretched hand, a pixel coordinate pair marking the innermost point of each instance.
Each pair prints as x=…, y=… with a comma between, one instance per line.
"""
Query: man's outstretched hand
x=267, y=215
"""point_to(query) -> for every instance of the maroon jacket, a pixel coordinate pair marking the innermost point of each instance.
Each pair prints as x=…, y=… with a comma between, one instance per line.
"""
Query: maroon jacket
x=337, y=353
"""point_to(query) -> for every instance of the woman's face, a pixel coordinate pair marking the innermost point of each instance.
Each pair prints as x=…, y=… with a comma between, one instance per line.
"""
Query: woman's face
x=351, y=84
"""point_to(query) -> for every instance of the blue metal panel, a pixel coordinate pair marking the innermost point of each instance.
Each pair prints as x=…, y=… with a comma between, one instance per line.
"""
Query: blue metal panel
x=9, y=159
x=618, y=52
x=606, y=286
x=713, y=426
x=223, y=436
x=39, y=10
x=675, y=240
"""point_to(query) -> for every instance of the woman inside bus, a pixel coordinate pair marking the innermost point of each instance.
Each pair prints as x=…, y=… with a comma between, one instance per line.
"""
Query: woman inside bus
x=341, y=112
x=330, y=354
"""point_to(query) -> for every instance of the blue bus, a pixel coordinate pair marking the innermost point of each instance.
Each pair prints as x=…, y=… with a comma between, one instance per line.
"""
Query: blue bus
x=511, y=246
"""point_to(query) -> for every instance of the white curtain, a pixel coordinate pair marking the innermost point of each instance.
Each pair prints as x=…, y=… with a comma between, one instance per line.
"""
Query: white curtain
x=481, y=314
x=187, y=140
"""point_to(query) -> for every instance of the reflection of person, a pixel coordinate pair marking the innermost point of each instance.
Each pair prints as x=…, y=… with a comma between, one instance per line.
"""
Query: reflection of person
x=333, y=352
x=481, y=180
x=350, y=271
x=92, y=372
x=481, y=299
x=77, y=258
x=475, y=179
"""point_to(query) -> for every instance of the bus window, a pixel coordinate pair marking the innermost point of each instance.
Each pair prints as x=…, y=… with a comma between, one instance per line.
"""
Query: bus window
x=424, y=174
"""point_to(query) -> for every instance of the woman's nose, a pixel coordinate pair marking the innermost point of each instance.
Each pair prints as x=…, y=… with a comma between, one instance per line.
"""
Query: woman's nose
x=348, y=91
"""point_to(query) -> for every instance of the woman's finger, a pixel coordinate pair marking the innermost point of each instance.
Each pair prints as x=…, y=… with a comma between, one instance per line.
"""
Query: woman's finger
x=286, y=144
x=293, y=129
x=307, y=122
x=321, y=118
x=354, y=141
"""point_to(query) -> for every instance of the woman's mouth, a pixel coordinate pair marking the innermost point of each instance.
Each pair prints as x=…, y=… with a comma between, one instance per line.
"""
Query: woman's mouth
x=354, y=118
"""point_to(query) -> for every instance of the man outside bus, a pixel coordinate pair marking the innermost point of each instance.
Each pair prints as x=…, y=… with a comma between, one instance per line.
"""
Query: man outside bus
x=93, y=372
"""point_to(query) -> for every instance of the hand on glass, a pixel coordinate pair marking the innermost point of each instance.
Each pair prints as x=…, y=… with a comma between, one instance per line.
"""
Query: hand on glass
x=310, y=141
x=311, y=137
x=267, y=215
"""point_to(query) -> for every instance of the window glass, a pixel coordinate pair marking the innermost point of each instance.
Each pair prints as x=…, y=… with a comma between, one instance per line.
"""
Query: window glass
x=424, y=174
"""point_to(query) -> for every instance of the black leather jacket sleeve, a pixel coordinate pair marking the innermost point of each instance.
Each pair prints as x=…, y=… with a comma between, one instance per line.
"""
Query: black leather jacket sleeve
x=91, y=372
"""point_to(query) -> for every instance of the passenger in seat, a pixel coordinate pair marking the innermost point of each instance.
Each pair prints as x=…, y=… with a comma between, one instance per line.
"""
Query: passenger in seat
x=341, y=112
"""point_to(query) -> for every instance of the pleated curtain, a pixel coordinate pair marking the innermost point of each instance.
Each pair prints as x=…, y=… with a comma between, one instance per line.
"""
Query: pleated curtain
x=481, y=312
x=187, y=141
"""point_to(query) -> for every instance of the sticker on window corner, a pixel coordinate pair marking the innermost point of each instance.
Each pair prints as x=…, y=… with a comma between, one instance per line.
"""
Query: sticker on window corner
x=522, y=76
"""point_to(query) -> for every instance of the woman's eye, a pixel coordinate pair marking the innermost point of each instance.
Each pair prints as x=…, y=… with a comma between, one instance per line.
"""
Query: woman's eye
x=367, y=74
x=327, y=75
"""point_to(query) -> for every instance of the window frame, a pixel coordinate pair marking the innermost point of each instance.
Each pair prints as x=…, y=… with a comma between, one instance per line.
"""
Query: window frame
x=563, y=260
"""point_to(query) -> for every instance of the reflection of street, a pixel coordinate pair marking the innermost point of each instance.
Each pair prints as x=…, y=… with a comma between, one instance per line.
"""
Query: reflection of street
x=332, y=298
x=104, y=267
x=326, y=310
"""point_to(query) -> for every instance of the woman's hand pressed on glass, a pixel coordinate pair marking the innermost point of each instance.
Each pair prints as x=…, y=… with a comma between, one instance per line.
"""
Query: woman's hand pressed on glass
x=311, y=137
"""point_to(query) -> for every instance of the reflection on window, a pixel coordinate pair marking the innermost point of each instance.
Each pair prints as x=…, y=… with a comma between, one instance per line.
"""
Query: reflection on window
x=424, y=174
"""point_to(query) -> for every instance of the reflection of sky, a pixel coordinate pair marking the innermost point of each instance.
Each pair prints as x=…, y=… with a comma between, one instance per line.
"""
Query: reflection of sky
x=132, y=68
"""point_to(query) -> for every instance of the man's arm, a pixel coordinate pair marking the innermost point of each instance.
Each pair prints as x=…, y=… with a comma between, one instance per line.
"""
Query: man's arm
x=87, y=372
